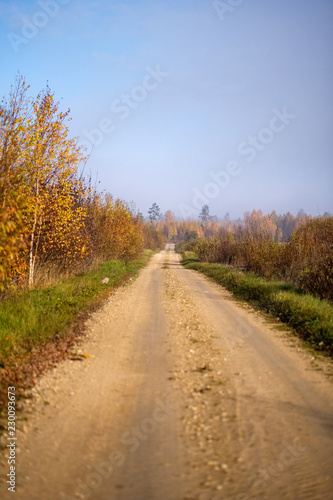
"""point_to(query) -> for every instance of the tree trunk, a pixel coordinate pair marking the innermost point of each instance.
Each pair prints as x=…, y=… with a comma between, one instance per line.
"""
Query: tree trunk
x=32, y=257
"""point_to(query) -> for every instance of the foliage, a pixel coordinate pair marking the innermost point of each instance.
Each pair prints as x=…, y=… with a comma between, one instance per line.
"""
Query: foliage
x=49, y=216
x=51, y=188
x=311, y=257
x=115, y=231
x=13, y=116
x=153, y=237
x=306, y=260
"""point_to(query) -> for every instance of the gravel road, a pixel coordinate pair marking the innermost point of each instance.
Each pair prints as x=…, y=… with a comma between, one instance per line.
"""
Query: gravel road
x=185, y=395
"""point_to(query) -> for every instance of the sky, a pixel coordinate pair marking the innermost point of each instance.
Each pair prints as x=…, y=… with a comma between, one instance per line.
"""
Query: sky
x=188, y=102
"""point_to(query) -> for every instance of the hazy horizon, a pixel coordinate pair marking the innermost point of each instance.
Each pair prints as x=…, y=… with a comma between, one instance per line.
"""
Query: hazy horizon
x=188, y=103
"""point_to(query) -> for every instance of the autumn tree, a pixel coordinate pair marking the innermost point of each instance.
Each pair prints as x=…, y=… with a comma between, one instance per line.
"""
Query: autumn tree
x=50, y=184
x=169, y=225
x=13, y=118
x=41, y=210
x=116, y=231
x=288, y=224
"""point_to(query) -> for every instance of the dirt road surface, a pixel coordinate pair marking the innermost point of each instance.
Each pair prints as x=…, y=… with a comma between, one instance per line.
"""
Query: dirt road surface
x=186, y=395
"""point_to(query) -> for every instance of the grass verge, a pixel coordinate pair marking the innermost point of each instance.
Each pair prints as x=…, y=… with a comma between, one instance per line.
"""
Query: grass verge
x=310, y=317
x=33, y=317
x=38, y=328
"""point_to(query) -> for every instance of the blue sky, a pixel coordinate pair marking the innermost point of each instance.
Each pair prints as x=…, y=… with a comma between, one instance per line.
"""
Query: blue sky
x=189, y=101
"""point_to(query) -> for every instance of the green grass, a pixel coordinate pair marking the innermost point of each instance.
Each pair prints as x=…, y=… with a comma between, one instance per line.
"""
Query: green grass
x=31, y=318
x=310, y=317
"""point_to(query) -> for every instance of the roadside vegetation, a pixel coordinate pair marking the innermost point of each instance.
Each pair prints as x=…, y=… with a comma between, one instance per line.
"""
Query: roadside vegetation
x=305, y=259
x=293, y=280
x=32, y=317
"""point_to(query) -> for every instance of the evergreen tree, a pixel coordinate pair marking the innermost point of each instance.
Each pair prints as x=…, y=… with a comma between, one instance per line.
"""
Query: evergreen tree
x=154, y=213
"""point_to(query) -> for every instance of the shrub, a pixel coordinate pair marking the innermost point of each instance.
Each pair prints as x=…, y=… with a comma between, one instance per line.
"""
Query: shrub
x=306, y=261
x=311, y=255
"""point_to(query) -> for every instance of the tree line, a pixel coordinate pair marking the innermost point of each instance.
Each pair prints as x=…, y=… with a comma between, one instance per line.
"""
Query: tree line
x=280, y=227
x=295, y=249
